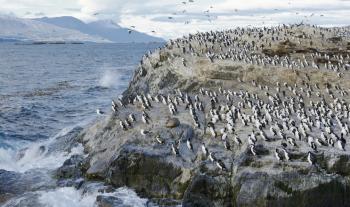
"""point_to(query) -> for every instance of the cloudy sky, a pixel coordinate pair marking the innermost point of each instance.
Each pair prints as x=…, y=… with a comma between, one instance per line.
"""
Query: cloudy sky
x=174, y=18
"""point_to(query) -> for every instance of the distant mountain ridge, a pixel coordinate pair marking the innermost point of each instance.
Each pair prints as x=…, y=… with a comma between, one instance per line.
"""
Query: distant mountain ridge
x=106, y=29
x=18, y=29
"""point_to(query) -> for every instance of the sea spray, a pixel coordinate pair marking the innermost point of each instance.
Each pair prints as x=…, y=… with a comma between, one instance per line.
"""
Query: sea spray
x=69, y=196
x=114, y=77
x=37, y=155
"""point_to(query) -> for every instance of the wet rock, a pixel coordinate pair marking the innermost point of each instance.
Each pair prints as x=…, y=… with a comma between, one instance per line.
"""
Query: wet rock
x=340, y=165
x=148, y=174
x=4, y=197
x=108, y=201
x=172, y=123
x=70, y=168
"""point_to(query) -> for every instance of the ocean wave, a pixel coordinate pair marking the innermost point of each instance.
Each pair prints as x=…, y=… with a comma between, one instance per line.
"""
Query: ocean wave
x=96, y=89
x=48, y=154
x=69, y=196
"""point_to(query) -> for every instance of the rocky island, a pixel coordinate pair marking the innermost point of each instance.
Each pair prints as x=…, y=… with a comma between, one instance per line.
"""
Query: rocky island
x=242, y=117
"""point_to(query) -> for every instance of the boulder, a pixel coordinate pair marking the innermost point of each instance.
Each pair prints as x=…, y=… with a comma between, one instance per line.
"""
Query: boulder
x=172, y=123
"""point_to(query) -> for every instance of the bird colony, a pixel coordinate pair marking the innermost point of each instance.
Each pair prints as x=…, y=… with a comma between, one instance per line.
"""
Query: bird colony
x=279, y=123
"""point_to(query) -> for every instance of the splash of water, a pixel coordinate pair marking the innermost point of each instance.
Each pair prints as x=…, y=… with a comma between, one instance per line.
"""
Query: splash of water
x=36, y=155
x=112, y=78
x=69, y=196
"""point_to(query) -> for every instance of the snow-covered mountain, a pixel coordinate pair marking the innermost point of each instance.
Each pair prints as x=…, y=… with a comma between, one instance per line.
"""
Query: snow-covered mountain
x=104, y=28
x=14, y=28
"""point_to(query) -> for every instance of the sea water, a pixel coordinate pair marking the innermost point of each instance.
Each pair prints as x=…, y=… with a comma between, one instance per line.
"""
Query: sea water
x=48, y=93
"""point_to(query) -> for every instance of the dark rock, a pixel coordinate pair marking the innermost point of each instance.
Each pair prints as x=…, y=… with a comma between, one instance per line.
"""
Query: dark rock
x=108, y=201
x=148, y=174
x=70, y=168
x=172, y=123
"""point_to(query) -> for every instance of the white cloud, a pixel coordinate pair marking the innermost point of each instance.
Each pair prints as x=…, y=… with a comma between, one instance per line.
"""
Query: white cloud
x=149, y=15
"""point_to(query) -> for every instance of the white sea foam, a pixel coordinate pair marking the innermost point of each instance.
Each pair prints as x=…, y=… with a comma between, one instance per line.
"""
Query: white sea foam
x=69, y=196
x=36, y=155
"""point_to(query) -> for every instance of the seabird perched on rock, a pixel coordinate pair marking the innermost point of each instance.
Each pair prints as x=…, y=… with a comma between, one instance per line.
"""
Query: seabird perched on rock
x=189, y=144
x=253, y=150
x=341, y=144
x=99, y=112
x=174, y=149
x=224, y=136
x=212, y=131
x=144, y=132
x=311, y=158
x=251, y=141
x=128, y=123
x=291, y=141
x=114, y=108
x=132, y=117
x=277, y=155
x=227, y=145
x=211, y=157
x=205, y=150
x=286, y=154
x=220, y=164
x=159, y=139
x=123, y=126
x=237, y=140
x=144, y=119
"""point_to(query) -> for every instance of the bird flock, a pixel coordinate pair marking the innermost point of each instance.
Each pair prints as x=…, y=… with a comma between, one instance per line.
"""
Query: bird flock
x=251, y=46
x=283, y=123
x=289, y=123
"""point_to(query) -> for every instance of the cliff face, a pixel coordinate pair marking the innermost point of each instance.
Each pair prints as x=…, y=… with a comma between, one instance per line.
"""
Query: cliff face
x=305, y=65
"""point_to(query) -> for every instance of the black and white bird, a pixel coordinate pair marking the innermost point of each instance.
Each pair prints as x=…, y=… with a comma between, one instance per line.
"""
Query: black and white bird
x=205, y=150
x=211, y=157
x=189, y=144
x=286, y=154
x=220, y=164
x=174, y=149
x=123, y=126
x=311, y=158
x=144, y=119
x=227, y=145
x=237, y=140
x=144, y=132
x=341, y=144
x=159, y=139
x=132, y=117
x=99, y=112
x=278, y=155
x=253, y=150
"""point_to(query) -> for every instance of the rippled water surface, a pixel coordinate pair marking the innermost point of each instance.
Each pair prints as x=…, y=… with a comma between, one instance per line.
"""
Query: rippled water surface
x=47, y=92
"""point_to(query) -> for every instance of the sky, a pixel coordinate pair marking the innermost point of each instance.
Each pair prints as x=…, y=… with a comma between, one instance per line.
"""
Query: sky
x=174, y=18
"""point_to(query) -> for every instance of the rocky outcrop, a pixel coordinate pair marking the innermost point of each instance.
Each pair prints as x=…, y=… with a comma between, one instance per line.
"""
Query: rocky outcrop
x=146, y=163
